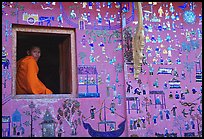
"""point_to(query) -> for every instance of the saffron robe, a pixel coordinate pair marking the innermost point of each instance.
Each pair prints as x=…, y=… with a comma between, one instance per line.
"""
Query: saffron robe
x=27, y=81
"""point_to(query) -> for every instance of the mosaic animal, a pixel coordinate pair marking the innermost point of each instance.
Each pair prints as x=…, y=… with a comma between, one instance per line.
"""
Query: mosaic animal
x=45, y=19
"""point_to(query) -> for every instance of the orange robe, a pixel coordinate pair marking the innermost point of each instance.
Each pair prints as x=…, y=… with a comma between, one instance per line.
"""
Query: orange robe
x=27, y=81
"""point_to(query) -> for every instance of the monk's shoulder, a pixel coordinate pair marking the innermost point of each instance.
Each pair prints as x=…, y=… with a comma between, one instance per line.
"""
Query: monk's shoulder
x=27, y=60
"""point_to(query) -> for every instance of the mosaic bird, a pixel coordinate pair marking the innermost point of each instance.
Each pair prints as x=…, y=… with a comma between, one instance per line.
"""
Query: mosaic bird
x=184, y=113
x=183, y=6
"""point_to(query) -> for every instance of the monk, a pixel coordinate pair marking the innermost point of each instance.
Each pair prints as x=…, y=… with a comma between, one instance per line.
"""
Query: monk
x=27, y=81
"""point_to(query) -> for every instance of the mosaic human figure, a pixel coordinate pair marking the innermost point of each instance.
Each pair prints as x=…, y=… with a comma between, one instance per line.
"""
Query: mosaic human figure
x=129, y=86
x=92, y=112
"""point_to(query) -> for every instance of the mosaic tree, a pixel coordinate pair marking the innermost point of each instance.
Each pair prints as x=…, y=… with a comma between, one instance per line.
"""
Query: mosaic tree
x=118, y=69
x=189, y=67
x=82, y=56
x=69, y=111
x=7, y=27
x=34, y=115
x=194, y=44
x=103, y=35
x=17, y=8
x=6, y=76
x=178, y=122
x=115, y=34
x=198, y=119
x=187, y=47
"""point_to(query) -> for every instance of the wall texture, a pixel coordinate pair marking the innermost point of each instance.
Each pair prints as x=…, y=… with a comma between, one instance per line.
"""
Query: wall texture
x=169, y=90
x=166, y=100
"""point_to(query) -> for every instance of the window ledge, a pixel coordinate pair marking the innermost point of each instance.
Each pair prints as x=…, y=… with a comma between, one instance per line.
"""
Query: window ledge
x=51, y=96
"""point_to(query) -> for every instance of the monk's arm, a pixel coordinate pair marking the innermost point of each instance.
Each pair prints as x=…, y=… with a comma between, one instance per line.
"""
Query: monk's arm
x=35, y=85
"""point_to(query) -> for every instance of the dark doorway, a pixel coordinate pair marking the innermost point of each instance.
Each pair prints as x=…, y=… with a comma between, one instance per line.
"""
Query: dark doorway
x=49, y=62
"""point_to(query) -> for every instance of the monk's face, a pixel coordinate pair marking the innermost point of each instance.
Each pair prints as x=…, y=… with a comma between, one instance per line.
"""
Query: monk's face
x=35, y=52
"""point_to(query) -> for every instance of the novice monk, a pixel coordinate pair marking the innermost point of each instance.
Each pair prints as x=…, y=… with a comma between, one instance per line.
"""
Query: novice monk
x=27, y=81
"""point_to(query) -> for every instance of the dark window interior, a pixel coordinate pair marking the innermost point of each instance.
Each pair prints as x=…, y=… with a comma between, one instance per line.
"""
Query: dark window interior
x=49, y=61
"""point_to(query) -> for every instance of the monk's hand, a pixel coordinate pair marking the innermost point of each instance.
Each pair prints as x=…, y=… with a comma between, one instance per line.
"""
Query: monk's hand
x=48, y=91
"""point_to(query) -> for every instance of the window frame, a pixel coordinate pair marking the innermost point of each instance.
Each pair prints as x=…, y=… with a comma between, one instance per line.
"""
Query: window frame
x=44, y=29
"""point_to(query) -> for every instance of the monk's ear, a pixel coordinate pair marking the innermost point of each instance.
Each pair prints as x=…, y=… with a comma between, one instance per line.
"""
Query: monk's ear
x=28, y=52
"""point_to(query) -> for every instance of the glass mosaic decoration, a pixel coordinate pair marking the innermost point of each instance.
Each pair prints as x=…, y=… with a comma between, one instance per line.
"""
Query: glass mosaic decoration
x=189, y=17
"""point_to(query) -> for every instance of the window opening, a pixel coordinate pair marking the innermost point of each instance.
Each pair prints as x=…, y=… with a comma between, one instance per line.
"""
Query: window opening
x=57, y=64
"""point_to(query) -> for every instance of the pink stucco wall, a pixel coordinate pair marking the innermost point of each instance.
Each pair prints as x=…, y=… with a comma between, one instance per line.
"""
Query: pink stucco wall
x=111, y=36
x=181, y=37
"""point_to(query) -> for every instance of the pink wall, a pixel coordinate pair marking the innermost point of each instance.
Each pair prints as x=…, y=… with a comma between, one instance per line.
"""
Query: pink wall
x=106, y=62
x=179, y=40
